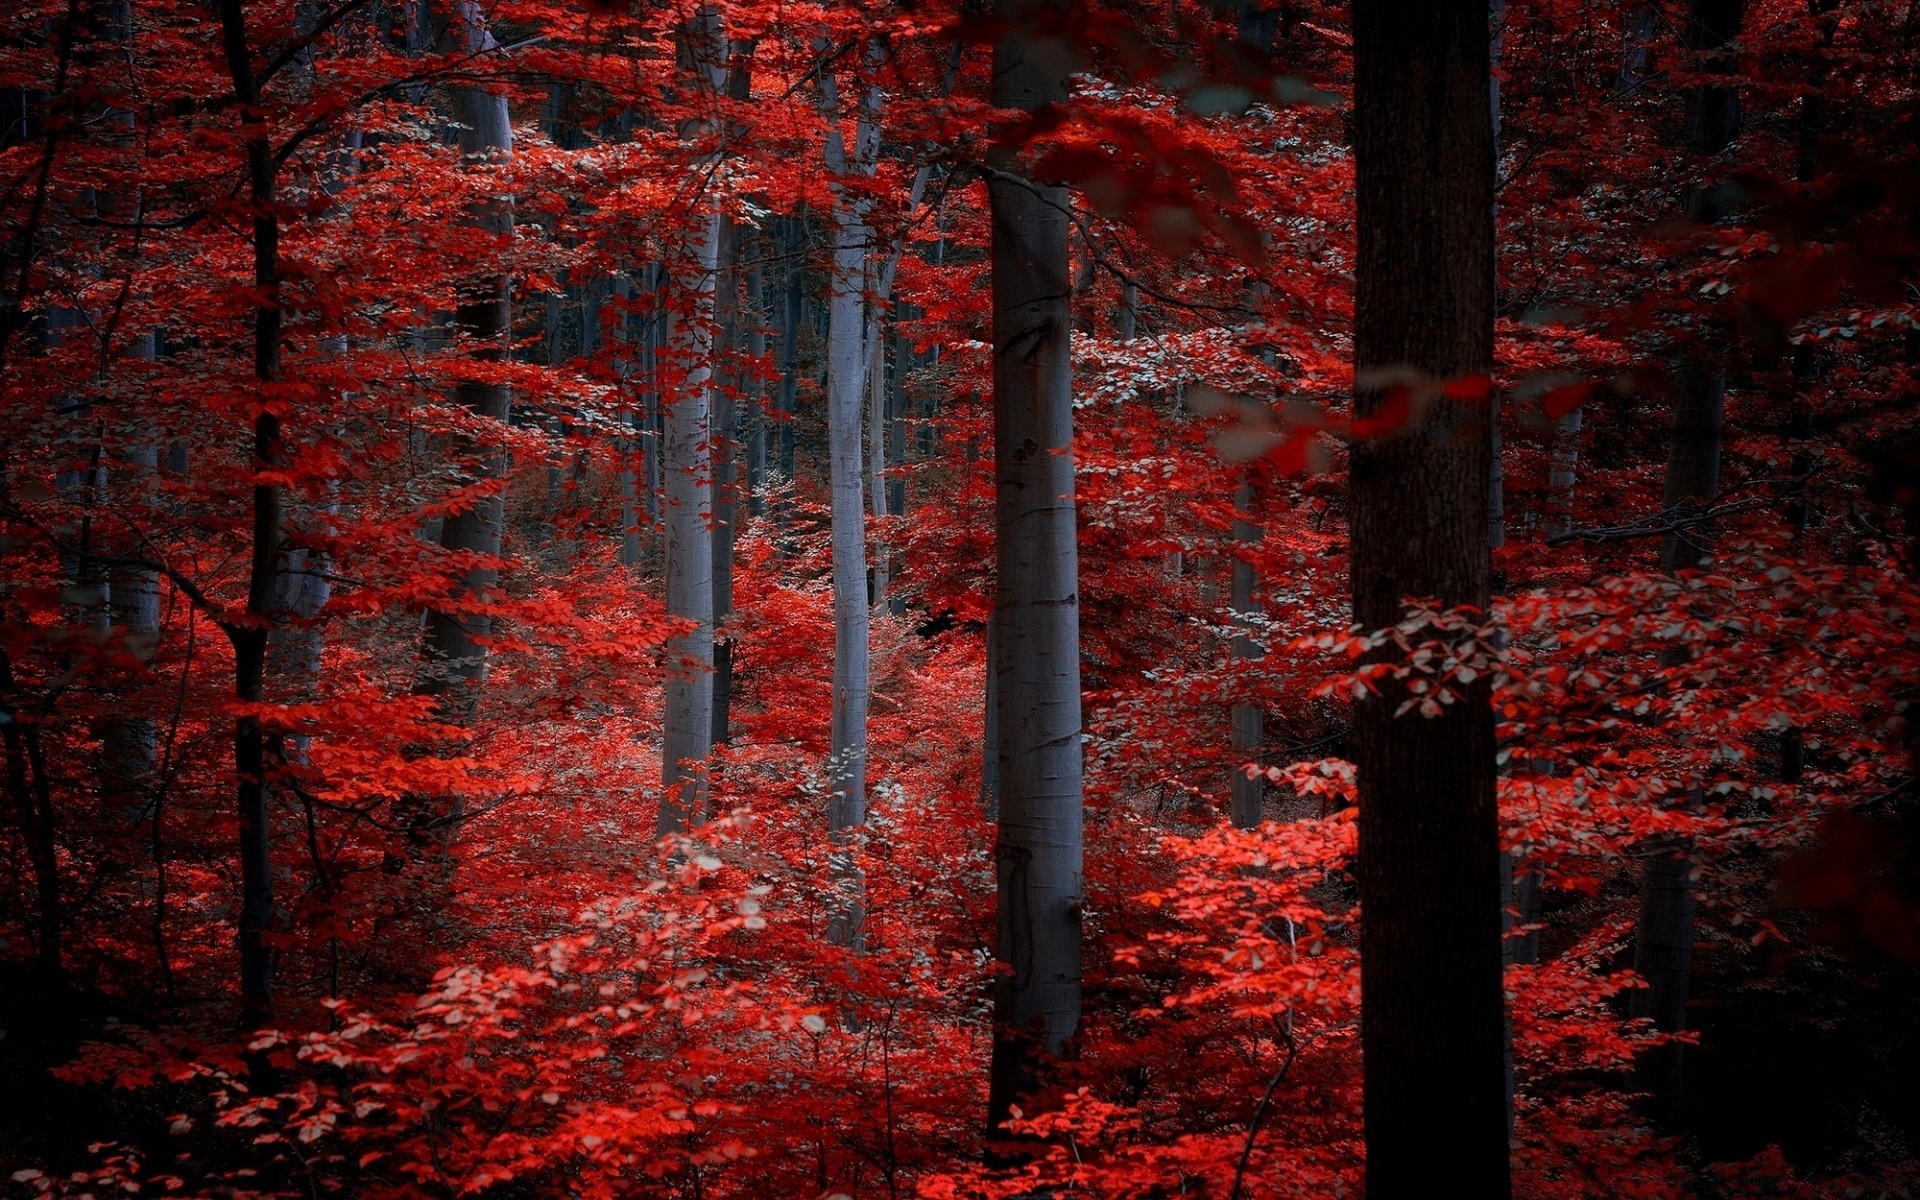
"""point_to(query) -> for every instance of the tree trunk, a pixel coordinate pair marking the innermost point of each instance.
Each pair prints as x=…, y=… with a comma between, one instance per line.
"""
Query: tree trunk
x=453, y=648
x=726, y=422
x=1432, y=1024
x=847, y=373
x=250, y=640
x=1246, y=717
x=1040, y=887
x=1663, y=936
x=687, y=733
x=756, y=400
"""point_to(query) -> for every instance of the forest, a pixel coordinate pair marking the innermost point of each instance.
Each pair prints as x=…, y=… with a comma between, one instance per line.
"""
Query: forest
x=960, y=599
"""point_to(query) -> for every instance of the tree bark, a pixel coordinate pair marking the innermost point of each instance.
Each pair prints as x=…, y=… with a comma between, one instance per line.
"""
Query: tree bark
x=687, y=465
x=250, y=639
x=847, y=374
x=1432, y=1024
x=454, y=645
x=1038, y=857
x=1246, y=717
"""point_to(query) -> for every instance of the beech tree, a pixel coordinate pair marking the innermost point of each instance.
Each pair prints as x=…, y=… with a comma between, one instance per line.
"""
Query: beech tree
x=686, y=461
x=1040, y=892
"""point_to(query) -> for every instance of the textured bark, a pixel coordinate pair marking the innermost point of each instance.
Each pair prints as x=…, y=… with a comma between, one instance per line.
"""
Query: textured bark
x=687, y=467
x=1432, y=1025
x=1036, y=663
x=250, y=641
x=453, y=646
x=847, y=372
x=1247, y=718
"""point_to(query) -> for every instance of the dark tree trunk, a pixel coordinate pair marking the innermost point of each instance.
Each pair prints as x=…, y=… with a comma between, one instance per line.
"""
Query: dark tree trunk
x=250, y=640
x=1663, y=935
x=1432, y=1022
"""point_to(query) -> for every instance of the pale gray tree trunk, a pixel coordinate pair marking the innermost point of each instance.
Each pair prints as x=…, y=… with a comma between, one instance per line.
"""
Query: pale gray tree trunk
x=687, y=466
x=1563, y=474
x=847, y=372
x=1040, y=888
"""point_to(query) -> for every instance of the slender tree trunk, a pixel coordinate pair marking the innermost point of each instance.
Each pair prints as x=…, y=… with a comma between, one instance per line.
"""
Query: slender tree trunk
x=26, y=781
x=1663, y=936
x=453, y=649
x=756, y=400
x=250, y=640
x=847, y=374
x=1040, y=887
x=1432, y=1024
x=726, y=422
x=877, y=451
x=627, y=446
x=723, y=447
x=791, y=306
x=1246, y=717
x=687, y=465
x=1563, y=475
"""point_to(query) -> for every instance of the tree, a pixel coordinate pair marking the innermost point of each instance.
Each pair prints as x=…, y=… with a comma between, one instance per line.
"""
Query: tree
x=847, y=368
x=1040, y=890
x=686, y=458
x=1429, y=862
x=454, y=645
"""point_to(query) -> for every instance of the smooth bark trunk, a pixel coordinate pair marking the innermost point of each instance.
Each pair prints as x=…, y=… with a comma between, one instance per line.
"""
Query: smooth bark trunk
x=686, y=463
x=847, y=374
x=1038, y=857
x=1246, y=717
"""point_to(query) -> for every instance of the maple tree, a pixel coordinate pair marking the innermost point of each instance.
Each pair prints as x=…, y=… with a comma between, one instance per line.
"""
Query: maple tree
x=1076, y=597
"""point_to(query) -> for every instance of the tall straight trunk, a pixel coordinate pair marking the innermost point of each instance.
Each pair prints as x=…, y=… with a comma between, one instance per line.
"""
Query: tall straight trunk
x=726, y=424
x=649, y=416
x=1563, y=475
x=250, y=640
x=453, y=647
x=627, y=446
x=877, y=451
x=131, y=743
x=686, y=464
x=1497, y=470
x=756, y=397
x=848, y=369
x=1246, y=717
x=1432, y=1020
x=791, y=305
x=1040, y=887
x=723, y=447
x=1663, y=935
